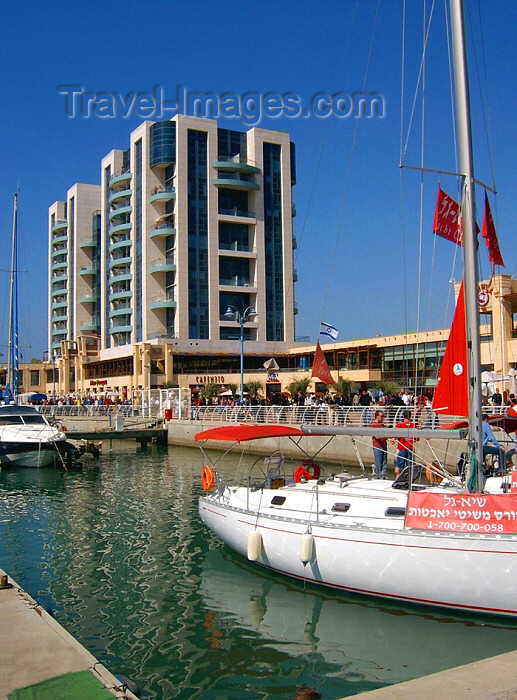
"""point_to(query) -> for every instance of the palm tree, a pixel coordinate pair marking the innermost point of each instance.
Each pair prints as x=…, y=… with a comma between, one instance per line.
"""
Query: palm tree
x=299, y=385
x=254, y=387
x=343, y=387
x=209, y=391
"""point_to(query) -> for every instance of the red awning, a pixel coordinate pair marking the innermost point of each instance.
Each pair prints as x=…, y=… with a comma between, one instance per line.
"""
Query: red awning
x=241, y=433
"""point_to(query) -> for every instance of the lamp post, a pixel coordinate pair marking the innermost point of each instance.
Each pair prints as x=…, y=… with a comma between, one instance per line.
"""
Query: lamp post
x=233, y=314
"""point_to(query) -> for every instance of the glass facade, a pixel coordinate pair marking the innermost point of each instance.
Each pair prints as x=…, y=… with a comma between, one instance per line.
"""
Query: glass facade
x=137, y=262
x=197, y=234
x=162, y=149
x=231, y=143
x=71, y=248
x=234, y=237
x=273, y=243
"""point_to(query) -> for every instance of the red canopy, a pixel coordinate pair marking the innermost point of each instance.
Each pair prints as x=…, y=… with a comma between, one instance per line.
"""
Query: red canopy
x=240, y=433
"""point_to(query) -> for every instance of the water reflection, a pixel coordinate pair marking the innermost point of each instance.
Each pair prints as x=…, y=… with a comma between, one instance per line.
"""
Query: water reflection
x=119, y=550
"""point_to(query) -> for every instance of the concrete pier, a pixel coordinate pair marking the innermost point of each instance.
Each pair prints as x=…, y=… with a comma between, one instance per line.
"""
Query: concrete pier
x=488, y=679
x=35, y=648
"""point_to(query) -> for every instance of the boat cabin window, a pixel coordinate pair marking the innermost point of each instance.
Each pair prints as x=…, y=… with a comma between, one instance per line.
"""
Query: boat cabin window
x=278, y=500
x=10, y=420
x=33, y=419
x=340, y=507
x=394, y=510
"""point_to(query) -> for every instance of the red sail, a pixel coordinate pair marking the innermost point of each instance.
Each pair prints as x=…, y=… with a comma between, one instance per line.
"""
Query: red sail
x=320, y=368
x=451, y=394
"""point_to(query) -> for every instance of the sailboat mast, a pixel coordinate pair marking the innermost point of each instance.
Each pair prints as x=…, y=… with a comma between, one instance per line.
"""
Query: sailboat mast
x=11, y=389
x=470, y=242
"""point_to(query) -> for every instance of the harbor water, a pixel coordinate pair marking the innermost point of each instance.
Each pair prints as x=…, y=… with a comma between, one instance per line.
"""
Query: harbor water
x=117, y=549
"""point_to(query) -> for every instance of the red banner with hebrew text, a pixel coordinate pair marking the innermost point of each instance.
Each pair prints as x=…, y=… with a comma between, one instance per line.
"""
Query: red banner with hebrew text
x=481, y=513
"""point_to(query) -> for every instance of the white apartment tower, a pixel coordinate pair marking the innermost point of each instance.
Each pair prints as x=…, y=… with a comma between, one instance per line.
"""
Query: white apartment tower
x=191, y=219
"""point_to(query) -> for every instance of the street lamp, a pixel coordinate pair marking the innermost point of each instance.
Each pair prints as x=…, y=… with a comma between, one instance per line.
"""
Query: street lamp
x=233, y=314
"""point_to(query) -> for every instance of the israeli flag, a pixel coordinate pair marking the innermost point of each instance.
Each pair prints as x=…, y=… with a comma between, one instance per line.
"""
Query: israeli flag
x=327, y=329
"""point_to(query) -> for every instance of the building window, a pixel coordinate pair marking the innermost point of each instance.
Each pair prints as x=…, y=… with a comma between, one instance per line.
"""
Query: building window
x=273, y=242
x=34, y=377
x=198, y=234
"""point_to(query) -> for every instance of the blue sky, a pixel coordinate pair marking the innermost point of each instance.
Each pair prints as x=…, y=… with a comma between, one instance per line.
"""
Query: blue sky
x=364, y=280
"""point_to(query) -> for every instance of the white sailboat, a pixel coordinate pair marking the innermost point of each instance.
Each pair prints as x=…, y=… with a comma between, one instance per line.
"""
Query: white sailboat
x=452, y=545
x=26, y=437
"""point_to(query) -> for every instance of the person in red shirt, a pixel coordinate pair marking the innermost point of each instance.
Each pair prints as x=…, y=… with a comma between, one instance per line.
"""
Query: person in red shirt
x=380, y=447
x=405, y=455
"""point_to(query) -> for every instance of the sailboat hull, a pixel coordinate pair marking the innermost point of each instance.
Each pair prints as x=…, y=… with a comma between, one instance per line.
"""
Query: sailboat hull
x=32, y=455
x=365, y=555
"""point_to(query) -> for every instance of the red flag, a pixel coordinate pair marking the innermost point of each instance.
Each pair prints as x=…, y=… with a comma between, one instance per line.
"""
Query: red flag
x=320, y=368
x=447, y=218
x=490, y=236
x=451, y=394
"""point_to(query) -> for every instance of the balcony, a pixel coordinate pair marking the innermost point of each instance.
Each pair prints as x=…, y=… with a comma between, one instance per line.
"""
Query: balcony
x=90, y=326
x=235, y=246
x=87, y=299
x=295, y=243
x=293, y=209
x=61, y=264
x=121, y=311
x=122, y=243
x=119, y=177
x=295, y=275
x=121, y=294
x=234, y=213
x=56, y=318
x=122, y=260
x=59, y=331
x=238, y=281
x=120, y=194
x=59, y=225
x=59, y=278
x=120, y=329
x=59, y=250
x=236, y=182
x=166, y=264
x=295, y=308
x=126, y=209
x=161, y=230
x=119, y=228
x=88, y=270
x=236, y=164
x=59, y=292
x=166, y=301
x=61, y=238
x=120, y=275
x=90, y=242
x=59, y=305
x=162, y=194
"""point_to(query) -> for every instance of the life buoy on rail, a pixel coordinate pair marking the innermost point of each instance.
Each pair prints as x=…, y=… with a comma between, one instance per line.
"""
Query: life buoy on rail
x=208, y=478
x=303, y=470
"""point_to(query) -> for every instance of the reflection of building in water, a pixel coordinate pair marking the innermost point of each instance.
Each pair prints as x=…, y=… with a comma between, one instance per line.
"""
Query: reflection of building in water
x=364, y=640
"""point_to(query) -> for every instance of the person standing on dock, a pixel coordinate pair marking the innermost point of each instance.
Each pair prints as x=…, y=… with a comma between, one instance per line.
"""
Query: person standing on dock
x=380, y=447
x=405, y=445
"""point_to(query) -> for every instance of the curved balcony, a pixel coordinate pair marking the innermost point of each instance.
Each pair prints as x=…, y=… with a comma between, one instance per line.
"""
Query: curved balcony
x=92, y=325
x=87, y=299
x=60, y=224
x=122, y=311
x=90, y=242
x=126, y=260
x=120, y=275
x=126, y=294
x=236, y=164
x=60, y=239
x=59, y=317
x=59, y=305
x=125, y=243
x=236, y=182
x=162, y=230
x=88, y=270
x=120, y=211
x=120, y=176
x=59, y=292
x=118, y=228
x=59, y=265
x=167, y=301
x=162, y=265
x=120, y=329
x=59, y=251
x=59, y=278
x=59, y=331
x=119, y=194
x=162, y=194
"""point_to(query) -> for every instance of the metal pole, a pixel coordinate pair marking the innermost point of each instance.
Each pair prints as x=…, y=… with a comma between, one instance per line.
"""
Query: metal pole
x=470, y=241
x=241, y=321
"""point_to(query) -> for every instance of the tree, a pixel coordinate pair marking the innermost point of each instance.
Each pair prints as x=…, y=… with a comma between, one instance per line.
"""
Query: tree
x=297, y=385
x=343, y=387
x=254, y=387
x=388, y=386
x=209, y=391
x=234, y=388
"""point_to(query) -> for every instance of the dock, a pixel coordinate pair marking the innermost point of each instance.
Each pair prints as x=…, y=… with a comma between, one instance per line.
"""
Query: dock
x=36, y=649
x=143, y=436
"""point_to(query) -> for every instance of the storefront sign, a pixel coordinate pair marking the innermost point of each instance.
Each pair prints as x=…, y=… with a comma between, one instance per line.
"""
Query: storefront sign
x=273, y=377
x=483, y=513
x=209, y=379
x=98, y=382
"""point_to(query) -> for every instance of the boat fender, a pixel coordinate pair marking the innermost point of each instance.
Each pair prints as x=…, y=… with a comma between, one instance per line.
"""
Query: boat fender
x=127, y=683
x=254, y=545
x=306, y=548
x=208, y=478
x=307, y=469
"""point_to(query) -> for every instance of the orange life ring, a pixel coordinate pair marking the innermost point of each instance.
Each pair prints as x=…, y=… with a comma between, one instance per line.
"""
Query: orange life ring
x=208, y=478
x=303, y=470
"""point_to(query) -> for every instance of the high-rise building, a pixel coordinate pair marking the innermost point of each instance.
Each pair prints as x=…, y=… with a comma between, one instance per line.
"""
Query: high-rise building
x=190, y=220
x=193, y=219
